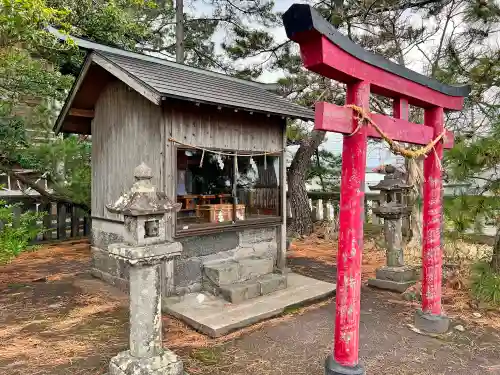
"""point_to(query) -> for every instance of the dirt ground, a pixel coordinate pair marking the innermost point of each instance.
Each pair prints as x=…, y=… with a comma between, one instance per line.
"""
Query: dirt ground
x=56, y=319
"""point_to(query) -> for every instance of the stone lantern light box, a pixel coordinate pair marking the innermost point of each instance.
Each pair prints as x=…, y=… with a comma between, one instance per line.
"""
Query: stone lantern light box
x=393, y=194
x=144, y=209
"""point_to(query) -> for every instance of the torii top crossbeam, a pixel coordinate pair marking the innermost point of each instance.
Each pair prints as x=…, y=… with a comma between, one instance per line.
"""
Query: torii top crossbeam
x=326, y=51
x=329, y=53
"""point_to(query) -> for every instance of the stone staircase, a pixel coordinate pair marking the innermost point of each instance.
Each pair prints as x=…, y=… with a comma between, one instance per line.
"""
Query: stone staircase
x=237, y=280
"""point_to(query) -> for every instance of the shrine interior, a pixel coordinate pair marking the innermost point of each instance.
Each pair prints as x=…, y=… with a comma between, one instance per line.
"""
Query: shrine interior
x=221, y=188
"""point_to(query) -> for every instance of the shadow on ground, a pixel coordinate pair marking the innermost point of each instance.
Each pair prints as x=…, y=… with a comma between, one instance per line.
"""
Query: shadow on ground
x=70, y=323
x=313, y=268
x=67, y=326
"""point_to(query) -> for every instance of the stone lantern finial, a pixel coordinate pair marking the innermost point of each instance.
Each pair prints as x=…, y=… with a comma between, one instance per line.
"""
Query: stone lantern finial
x=389, y=169
x=143, y=176
x=143, y=172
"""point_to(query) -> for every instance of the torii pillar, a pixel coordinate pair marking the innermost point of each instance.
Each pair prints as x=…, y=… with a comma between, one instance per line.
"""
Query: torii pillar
x=326, y=51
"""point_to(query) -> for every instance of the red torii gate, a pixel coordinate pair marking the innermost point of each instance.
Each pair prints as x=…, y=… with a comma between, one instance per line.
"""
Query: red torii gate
x=327, y=52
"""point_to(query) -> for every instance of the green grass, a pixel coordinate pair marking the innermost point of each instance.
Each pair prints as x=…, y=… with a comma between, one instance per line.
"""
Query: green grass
x=486, y=284
x=15, y=286
x=291, y=310
x=473, y=238
x=208, y=356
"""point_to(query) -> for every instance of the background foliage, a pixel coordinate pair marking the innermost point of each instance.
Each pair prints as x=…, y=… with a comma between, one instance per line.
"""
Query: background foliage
x=15, y=239
x=451, y=40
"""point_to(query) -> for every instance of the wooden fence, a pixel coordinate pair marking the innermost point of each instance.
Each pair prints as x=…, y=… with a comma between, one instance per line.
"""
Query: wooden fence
x=64, y=221
x=61, y=222
x=325, y=206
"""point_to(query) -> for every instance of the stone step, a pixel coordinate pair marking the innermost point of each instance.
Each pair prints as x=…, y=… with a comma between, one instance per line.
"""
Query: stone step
x=222, y=273
x=271, y=283
x=239, y=292
x=215, y=317
x=255, y=266
x=260, y=286
x=234, y=271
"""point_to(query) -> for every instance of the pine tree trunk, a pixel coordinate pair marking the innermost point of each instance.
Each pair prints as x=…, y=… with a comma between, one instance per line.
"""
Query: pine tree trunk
x=179, y=31
x=495, y=259
x=301, y=222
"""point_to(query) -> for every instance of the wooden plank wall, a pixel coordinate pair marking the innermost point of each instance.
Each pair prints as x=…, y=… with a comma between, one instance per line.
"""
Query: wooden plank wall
x=126, y=130
x=207, y=126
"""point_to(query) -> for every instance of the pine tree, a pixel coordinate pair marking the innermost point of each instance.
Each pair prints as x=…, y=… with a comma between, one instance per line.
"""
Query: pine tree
x=454, y=38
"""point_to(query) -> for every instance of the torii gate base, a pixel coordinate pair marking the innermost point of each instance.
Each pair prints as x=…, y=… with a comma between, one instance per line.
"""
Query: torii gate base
x=327, y=52
x=332, y=367
x=431, y=323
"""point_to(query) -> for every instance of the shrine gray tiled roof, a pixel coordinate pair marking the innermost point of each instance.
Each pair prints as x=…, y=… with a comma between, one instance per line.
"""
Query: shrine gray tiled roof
x=170, y=79
x=179, y=81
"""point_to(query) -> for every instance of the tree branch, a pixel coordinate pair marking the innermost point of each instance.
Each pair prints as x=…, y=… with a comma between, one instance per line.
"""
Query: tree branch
x=416, y=4
x=45, y=195
x=238, y=8
x=441, y=42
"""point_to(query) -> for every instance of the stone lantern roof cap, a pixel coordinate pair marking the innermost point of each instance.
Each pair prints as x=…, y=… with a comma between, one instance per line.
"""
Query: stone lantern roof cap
x=392, y=181
x=395, y=184
x=142, y=199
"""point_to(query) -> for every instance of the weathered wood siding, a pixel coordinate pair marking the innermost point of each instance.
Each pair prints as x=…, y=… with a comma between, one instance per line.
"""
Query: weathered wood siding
x=223, y=128
x=126, y=130
x=207, y=126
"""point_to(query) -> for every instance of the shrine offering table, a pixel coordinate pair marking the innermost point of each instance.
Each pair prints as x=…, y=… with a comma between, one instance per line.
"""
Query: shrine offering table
x=188, y=201
x=218, y=213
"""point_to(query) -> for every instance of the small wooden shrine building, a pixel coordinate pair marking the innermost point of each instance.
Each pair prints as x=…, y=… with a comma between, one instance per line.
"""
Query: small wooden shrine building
x=214, y=143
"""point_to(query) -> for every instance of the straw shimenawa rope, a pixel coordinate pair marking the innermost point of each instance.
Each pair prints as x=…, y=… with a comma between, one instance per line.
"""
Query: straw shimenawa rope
x=265, y=153
x=364, y=119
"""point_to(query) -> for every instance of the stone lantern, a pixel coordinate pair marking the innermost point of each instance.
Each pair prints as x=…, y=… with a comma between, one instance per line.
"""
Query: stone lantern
x=393, y=207
x=145, y=249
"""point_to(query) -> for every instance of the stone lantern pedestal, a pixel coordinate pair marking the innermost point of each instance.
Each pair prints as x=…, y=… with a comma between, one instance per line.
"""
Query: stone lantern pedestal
x=395, y=275
x=146, y=354
x=147, y=248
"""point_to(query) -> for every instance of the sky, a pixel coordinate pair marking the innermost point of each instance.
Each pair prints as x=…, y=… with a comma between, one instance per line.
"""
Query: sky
x=376, y=155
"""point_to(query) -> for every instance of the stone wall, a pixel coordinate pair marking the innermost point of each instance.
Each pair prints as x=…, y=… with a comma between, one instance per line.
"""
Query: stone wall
x=109, y=269
x=196, y=252
x=201, y=250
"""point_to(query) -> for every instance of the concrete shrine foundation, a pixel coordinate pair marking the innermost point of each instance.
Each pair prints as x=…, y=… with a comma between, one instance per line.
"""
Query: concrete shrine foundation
x=219, y=282
x=197, y=252
x=215, y=317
